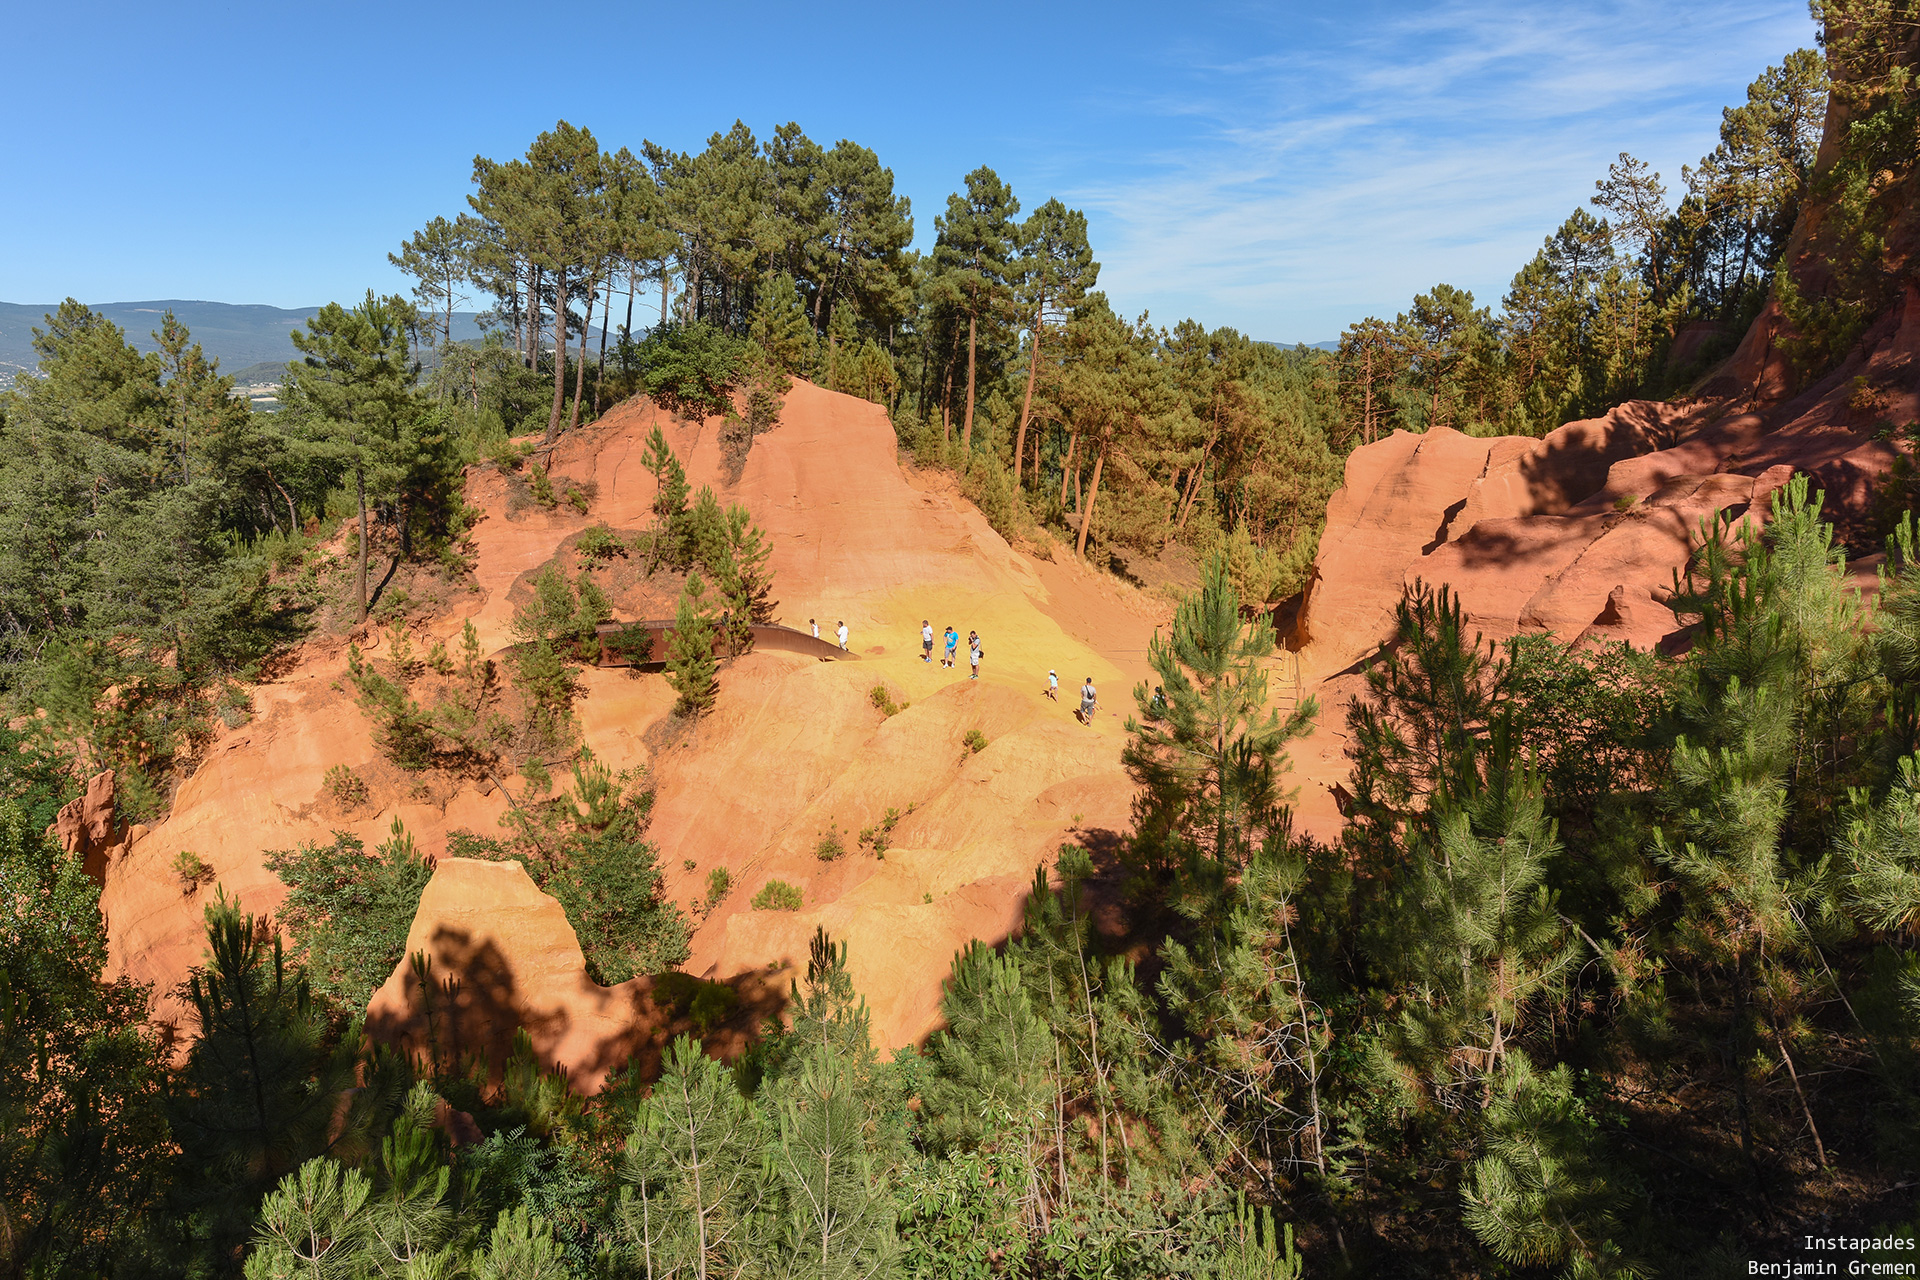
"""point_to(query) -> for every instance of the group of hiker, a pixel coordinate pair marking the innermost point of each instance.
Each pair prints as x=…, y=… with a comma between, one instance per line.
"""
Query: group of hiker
x=839, y=631
x=950, y=644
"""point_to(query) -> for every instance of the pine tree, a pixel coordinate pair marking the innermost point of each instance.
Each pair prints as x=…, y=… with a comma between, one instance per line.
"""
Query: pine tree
x=1767, y=704
x=750, y=555
x=779, y=324
x=409, y=1216
x=260, y=1092
x=1542, y=1193
x=351, y=393
x=437, y=257
x=690, y=662
x=313, y=1226
x=973, y=255
x=861, y=253
x=835, y=1153
x=992, y=1088
x=1055, y=272
x=1420, y=728
x=1206, y=748
x=1259, y=1047
x=670, y=491
x=692, y=1170
x=1477, y=940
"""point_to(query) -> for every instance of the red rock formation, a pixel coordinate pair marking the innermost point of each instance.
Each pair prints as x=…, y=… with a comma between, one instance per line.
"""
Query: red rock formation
x=1580, y=533
x=86, y=828
x=514, y=963
x=792, y=748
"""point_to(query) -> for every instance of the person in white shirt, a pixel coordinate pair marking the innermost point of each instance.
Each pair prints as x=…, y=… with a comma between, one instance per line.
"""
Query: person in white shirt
x=926, y=641
x=843, y=634
x=1053, y=685
x=816, y=628
x=1089, y=700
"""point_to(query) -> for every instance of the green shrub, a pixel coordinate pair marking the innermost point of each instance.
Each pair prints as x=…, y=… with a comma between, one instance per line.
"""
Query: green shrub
x=692, y=369
x=975, y=742
x=402, y=729
x=708, y=1004
x=348, y=910
x=234, y=705
x=192, y=870
x=879, y=837
x=777, y=895
x=712, y=1005
x=882, y=699
x=541, y=487
x=632, y=645
x=504, y=455
x=719, y=885
x=829, y=846
x=345, y=786
x=600, y=542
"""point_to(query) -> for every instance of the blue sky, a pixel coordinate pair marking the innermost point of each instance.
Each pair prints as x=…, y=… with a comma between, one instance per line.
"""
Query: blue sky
x=1284, y=168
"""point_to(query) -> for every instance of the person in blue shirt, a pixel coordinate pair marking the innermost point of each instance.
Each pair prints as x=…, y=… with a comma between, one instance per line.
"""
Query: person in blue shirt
x=953, y=643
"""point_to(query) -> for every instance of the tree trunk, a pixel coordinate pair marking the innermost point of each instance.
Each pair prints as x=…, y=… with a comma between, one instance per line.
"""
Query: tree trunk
x=293, y=517
x=559, y=354
x=533, y=317
x=666, y=278
x=1093, y=494
x=1026, y=405
x=966, y=435
x=580, y=374
x=946, y=405
x=626, y=342
x=1192, y=488
x=519, y=314
x=360, y=487
x=601, y=369
x=1366, y=396
x=1066, y=465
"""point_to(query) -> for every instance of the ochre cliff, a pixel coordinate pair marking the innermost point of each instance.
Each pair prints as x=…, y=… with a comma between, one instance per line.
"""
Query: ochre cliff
x=793, y=747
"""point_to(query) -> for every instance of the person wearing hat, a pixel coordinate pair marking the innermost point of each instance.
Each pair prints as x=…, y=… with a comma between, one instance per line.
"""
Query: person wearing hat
x=1053, y=684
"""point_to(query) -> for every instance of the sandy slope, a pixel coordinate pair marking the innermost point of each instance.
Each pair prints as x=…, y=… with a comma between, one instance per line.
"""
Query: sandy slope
x=793, y=747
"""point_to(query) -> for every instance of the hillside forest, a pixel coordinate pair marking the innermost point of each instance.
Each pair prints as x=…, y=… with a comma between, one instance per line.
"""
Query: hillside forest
x=1611, y=973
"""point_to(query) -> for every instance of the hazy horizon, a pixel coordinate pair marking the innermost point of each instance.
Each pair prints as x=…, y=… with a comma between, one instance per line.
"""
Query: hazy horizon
x=1278, y=170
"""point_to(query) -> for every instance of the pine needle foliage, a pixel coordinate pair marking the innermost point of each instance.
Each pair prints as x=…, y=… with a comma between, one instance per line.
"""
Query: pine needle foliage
x=1207, y=749
x=691, y=667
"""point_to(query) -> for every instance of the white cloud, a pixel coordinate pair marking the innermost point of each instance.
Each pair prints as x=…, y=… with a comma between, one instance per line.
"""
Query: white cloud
x=1316, y=182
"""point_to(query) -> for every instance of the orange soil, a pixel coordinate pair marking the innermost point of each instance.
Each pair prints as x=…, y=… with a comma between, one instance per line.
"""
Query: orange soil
x=792, y=748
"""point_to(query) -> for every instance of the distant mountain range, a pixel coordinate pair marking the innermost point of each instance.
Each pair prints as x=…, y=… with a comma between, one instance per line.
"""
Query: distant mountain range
x=250, y=342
